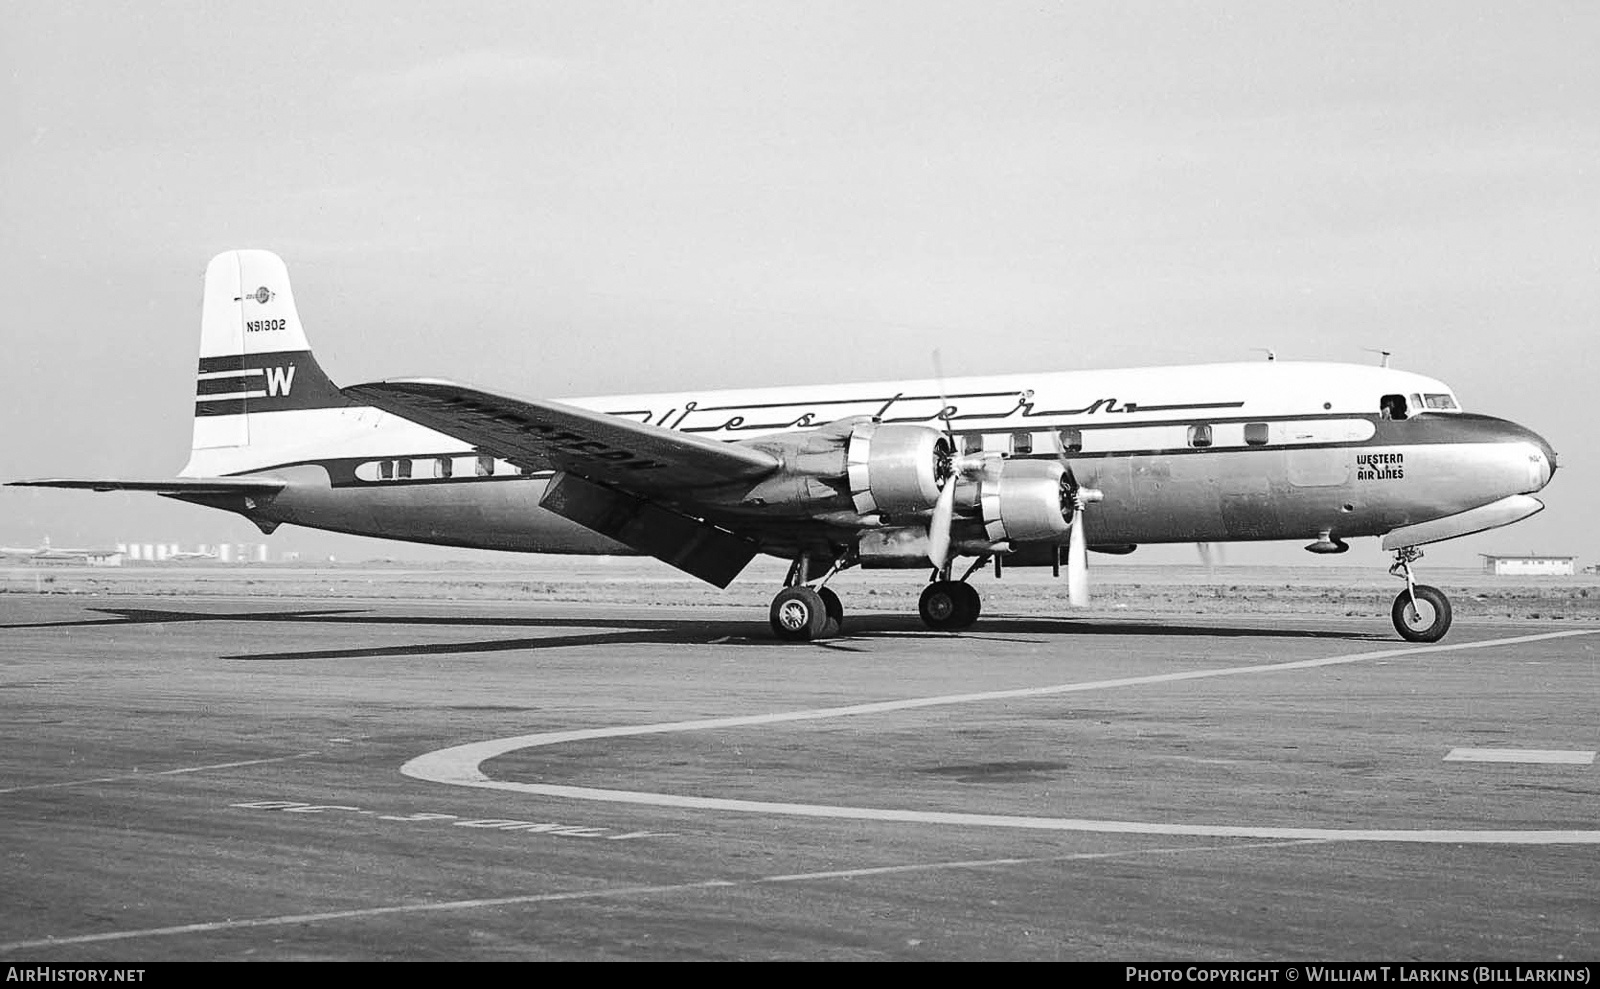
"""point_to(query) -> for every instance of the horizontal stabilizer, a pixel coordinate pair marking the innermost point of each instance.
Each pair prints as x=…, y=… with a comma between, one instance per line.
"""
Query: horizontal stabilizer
x=171, y=485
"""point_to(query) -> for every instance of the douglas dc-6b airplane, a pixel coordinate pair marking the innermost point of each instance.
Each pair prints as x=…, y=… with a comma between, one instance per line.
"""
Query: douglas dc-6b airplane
x=1028, y=469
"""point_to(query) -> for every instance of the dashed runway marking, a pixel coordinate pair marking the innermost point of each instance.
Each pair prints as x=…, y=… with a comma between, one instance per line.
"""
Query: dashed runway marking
x=164, y=772
x=1568, y=757
x=458, y=765
x=613, y=893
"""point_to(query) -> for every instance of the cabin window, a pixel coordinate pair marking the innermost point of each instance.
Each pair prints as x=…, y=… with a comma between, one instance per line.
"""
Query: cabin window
x=485, y=467
x=971, y=442
x=1200, y=435
x=442, y=467
x=386, y=470
x=1071, y=440
x=1440, y=402
x=403, y=469
x=1021, y=442
x=1392, y=407
x=1255, y=434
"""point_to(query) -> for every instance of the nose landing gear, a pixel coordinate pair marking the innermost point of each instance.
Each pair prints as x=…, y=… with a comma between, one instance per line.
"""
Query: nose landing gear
x=1421, y=613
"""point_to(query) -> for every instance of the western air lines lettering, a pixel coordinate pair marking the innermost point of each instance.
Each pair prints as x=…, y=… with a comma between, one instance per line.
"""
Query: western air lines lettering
x=264, y=325
x=995, y=406
x=1380, y=466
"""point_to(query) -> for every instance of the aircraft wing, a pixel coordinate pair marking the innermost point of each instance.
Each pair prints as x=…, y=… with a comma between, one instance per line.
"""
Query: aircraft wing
x=171, y=485
x=619, y=453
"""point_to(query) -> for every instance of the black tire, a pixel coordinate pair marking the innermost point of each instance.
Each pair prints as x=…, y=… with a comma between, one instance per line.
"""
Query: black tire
x=971, y=605
x=1429, y=621
x=798, y=615
x=834, y=608
x=945, y=606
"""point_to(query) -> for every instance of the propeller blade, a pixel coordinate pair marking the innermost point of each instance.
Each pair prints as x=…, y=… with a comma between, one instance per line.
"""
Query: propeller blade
x=939, y=526
x=1078, y=563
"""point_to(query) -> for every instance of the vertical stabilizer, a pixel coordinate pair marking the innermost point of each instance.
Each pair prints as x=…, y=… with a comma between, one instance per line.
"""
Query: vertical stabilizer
x=259, y=390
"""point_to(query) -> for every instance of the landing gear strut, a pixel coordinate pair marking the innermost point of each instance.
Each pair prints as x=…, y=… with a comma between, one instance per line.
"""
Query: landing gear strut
x=1421, y=613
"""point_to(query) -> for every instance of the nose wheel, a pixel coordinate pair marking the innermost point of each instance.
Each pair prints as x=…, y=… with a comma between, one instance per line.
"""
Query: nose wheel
x=1421, y=613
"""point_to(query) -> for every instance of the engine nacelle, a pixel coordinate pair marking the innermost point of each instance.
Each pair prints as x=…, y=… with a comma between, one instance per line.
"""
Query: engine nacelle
x=895, y=468
x=905, y=547
x=1029, y=501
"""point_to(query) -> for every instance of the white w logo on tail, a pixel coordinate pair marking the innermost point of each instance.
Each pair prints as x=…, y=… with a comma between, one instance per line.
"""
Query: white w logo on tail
x=279, y=379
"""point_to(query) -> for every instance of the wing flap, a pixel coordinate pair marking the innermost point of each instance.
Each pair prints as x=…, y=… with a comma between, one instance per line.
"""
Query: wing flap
x=539, y=434
x=698, y=548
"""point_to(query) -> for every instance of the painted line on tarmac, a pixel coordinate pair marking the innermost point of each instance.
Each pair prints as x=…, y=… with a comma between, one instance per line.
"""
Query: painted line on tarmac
x=458, y=765
x=600, y=894
x=1549, y=757
x=164, y=772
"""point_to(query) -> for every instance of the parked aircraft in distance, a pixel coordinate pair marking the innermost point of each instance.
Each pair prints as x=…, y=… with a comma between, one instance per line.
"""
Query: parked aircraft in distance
x=192, y=555
x=45, y=551
x=1028, y=469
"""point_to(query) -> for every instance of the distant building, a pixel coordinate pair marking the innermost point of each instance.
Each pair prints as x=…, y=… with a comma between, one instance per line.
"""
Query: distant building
x=1528, y=565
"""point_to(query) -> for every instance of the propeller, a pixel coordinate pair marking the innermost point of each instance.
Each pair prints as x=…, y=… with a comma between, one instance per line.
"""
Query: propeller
x=955, y=467
x=939, y=526
x=944, y=509
x=1078, y=542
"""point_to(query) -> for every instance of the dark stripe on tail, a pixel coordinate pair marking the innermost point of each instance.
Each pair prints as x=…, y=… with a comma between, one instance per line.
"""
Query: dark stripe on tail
x=288, y=379
x=209, y=365
x=231, y=384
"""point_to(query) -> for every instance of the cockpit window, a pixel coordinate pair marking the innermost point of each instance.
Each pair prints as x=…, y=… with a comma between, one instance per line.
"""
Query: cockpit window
x=1392, y=407
x=1441, y=402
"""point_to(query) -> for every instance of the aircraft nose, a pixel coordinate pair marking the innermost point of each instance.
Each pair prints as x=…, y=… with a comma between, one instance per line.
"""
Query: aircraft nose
x=1549, y=455
x=1541, y=460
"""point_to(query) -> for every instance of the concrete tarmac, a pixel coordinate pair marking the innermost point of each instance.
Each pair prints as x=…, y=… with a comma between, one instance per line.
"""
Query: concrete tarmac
x=222, y=779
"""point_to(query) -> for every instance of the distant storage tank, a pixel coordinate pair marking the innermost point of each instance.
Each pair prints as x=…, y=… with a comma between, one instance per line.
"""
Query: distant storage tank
x=261, y=553
x=149, y=551
x=225, y=552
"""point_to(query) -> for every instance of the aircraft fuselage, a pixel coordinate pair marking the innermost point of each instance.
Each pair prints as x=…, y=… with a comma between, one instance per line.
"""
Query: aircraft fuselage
x=1192, y=454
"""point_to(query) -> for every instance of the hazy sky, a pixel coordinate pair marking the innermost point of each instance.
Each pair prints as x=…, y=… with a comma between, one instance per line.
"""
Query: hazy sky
x=578, y=198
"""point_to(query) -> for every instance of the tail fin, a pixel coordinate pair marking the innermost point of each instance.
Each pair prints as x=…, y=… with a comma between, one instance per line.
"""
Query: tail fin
x=260, y=391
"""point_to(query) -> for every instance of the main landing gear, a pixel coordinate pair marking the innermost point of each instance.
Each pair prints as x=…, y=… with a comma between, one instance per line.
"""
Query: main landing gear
x=800, y=613
x=1421, y=613
x=950, y=605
